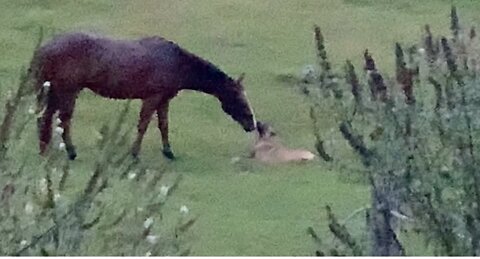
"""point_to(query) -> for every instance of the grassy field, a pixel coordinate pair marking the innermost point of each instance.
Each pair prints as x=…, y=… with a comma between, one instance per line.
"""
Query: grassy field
x=266, y=210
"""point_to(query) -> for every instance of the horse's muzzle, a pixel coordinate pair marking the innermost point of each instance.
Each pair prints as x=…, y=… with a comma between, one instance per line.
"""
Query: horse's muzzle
x=249, y=128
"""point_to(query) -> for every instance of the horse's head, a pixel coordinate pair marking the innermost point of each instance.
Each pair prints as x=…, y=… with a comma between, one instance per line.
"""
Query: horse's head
x=235, y=103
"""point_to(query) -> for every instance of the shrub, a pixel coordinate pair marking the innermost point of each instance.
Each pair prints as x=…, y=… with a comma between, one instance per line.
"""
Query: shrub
x=416, y=137
x=44, y=211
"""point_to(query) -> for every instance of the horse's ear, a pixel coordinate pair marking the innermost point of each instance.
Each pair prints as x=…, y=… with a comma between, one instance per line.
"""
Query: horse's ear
x=240, y=78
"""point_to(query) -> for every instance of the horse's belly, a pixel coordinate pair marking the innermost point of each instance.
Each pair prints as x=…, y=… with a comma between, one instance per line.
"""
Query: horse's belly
x=121, y=92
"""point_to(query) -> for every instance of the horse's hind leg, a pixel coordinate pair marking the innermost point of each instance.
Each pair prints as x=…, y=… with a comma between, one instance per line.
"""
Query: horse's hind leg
x=162, y=113
x=45, y=122
x=148, y=108
x=66, y=107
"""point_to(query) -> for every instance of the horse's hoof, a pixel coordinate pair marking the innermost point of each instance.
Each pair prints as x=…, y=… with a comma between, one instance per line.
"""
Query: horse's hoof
x=135, y=160
x=134, y=155
x=72, y=154
x=135, y=151
x=169, y=154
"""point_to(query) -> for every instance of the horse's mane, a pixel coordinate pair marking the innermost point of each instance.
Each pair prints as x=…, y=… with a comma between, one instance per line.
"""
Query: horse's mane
x=211, y=68
x=202, y=69
x=208, y=71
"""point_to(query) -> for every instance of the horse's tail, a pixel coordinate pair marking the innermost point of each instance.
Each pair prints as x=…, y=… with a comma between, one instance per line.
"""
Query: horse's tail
x=44, y=105
x=41, y=86
x=35, y=74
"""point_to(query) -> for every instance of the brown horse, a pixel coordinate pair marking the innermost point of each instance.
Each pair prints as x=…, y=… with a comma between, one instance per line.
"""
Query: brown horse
x=152, y=69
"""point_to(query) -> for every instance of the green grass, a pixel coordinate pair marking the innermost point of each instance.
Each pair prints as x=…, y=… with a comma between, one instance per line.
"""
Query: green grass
x=265, y=211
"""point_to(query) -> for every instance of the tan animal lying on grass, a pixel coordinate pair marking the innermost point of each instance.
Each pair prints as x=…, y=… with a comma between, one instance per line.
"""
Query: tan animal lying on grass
x=269, y=150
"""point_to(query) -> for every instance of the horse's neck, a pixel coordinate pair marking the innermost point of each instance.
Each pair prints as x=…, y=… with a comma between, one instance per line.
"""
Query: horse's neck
x=216, y=90
x=204, y=77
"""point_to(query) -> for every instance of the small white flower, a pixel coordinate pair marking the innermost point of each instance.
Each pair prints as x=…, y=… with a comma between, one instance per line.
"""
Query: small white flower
x=421, y=51
x=164, y=190
x=47, y=84
x=235, y=160
x=399, y=215
x=184, y=210
x=56, y=197
x=308, y=69
x=148, y=222
x=139, y=209
x=59, y=130
x=9, y=95
x=98, y=135
x=308, y=73
x=23, y=242
x=132, y=176
x=29, y=208
x=444, y=168
x=43, y=185
x=148, y=253
x=31, y=110
x=61, y=146
x=58, y=121
x=152, y=239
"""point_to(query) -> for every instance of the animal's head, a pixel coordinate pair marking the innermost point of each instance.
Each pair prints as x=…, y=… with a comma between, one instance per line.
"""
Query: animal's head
x=235, y=103
x=265, y=130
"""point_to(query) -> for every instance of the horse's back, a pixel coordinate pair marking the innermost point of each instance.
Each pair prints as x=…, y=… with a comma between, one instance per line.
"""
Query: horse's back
x=109, y=67
x=112, y=52
x=66, y=57
x=72, y=45
x=122, y=69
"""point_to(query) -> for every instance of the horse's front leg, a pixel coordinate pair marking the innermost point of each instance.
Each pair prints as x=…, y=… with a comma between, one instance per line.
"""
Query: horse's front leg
x=162, y=114
x=148, y=108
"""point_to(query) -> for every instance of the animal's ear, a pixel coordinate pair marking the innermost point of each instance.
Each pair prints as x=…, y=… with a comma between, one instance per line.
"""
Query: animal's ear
x=260, y=128
x=240, y=78
x=260, y=125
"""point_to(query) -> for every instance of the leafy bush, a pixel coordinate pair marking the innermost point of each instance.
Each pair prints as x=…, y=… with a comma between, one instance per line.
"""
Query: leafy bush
x=417, y=140
x=46, y=212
